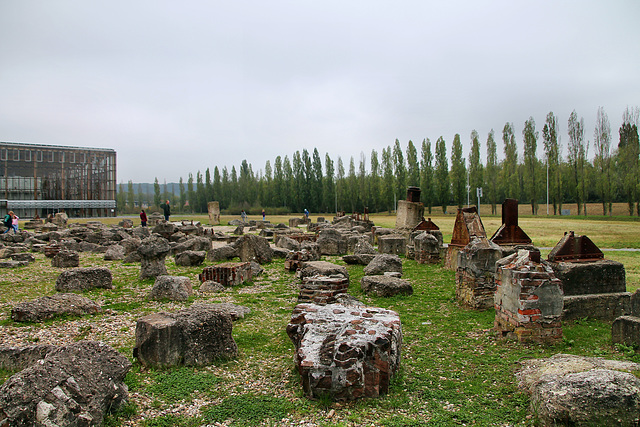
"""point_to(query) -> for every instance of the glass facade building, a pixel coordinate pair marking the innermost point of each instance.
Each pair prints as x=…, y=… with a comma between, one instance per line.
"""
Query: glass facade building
x=40, y=179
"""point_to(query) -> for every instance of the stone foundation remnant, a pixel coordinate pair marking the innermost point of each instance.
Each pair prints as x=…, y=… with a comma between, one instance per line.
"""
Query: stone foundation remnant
x=153, y=251
x=475, y=273
x=345, y=351
x=528, y=299
x=213, y=208
x=593, y=286
x=227, y=274
x=394, y=244
x=467, y=226
x=410, y=211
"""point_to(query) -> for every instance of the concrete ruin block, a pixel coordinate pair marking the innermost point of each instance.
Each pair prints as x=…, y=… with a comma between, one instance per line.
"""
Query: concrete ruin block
x=322, y=290
x=382, y=264
x=49, y=307
x=331, y=242
x=228, y=273
x=153, y=251
x=174, y=288
x=190, y=258
x=528, y=300
x=595, y=277
x=606, y=307
x=626, y=330
x=253, y=248
x=426, y=249
x=409, y=214
x=195, y=336
x=213, y=208
x=113, y=253
x=74, y=385
x=385, y=286
x=345, y=352
x=65, y=259
x=394, y=244
x=84, y=279
x=322, y=268
x=572, y=390
x=475, y=274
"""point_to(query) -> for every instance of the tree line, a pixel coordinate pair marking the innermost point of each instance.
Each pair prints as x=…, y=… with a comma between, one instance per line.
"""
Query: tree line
x=306, y=180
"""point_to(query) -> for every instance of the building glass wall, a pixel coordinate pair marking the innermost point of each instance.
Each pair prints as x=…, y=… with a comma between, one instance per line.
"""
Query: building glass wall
x=57, y=173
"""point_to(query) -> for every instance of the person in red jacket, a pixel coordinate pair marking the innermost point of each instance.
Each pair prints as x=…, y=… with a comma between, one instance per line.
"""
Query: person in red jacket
x=143, y=218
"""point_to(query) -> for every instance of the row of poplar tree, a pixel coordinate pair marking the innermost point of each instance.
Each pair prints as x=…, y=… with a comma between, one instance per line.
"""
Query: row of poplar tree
x=306, y=181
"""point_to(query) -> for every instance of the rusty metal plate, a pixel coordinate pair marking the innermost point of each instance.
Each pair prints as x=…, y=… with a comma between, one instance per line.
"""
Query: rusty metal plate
x=572, y=248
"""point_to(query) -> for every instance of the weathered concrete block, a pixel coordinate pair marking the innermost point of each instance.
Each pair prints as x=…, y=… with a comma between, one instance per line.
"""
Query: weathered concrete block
x=606, y=307
x=597, y=277
x=321, y=268
x=53, y=306
x=475, y=273
x=346, y=352
x=626, y=330
x=174, y=288
x=195, y=336
x=153, y=252
x=331, y=242
x=385, y=286
x=383, y=263
x=395, y=244
x=190, y=258
x=65, y=259
x=84, y=279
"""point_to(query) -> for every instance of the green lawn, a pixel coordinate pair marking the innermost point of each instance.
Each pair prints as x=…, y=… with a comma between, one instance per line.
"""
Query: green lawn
x=453, y=372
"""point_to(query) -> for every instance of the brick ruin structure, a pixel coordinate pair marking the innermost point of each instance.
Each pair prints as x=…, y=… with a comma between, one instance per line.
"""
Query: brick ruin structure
x=528, y=299
x=227, y=274
x=593, y=286
x=410, y=211
x=321, y=289
x=345, y=351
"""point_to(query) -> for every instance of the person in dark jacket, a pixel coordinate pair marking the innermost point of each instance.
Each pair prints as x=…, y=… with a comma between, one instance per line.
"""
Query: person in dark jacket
x=167, y=210
x=143, y=218
x=7, y=221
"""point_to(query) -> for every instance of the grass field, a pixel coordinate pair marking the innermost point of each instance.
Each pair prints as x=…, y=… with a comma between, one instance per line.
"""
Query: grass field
x=454, y=371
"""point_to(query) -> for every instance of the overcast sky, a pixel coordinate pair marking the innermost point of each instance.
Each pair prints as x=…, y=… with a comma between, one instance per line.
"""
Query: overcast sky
x=178, y=86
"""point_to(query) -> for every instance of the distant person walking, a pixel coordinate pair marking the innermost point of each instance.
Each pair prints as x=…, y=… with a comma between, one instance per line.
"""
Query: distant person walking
x=14, y=223
x=306, y=214
x=167, y=211
x=8, y=222
x=243, y=215
x=143, y=218
x=264, y=215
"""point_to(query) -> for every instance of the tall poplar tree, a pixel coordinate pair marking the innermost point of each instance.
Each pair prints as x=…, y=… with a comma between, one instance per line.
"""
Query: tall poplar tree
x=156, y=193
x=602, y=161
x=531, y=178
x=191, y=195
x=426, y=175
x=341, y=185
x=330, y=200
x=387, y=168
x=363, y=184
x=577, y=157
x=413, y=167
x=288, y=189
x=628, y=151
x=375, y=182
x=552, y=151
x=510, y=178
x=317, y=197
x=278, y=183
x=352, y=185
x=491, y=171
x=476, y=172
x=458, y=172
x=182, y=196
x=400, y=171
x=442, y=174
